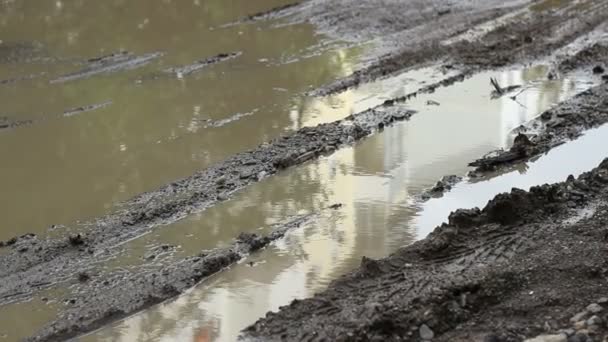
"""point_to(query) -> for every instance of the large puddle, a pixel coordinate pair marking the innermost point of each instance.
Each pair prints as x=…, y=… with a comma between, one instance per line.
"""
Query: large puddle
x=376, y=182
x=75, y=144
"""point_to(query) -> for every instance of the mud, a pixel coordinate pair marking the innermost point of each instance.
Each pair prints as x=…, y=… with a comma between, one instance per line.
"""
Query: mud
x=486, y=275
x=500, y=252
x=552, y=128
x=36, y=263
x=100, y=299
x=514, y=32
x=7, y=123
x=111, y=63
x=192, y=68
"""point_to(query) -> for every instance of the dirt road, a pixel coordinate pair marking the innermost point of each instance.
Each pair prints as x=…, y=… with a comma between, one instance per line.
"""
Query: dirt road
x=488, y=275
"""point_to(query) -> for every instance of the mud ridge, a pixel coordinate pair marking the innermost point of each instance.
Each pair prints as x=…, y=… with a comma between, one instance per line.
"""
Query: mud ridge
x=111, y=63
x=185, y=70
x=532, y=32
x=38, y=260
x=552, y=128
x=486, y=275
x=99, y=300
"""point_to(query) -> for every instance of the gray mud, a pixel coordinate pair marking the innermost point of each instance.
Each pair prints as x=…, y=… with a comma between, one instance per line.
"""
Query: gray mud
x=99, y=300
x=523, y=31
x=34, y=263
x=486, y=275
x=552, y=128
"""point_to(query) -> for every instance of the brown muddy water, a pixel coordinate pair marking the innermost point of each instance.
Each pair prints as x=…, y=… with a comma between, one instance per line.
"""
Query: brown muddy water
x=81, y=144
x=153, y=127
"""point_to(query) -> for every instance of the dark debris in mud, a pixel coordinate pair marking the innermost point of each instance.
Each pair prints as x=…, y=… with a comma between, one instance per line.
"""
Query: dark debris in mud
x=487, y=274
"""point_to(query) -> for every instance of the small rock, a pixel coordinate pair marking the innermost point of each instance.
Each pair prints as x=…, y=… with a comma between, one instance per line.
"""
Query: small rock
x=580, y=325
x=222, y=197
x=426, y=333
x=594, y=308
x=221, y=181
x=568, y=332
x=594, y=320
x=261, y=175
x=432, y=103
x=580, y=337
x=579, y=317
x=549, y=338
x=546, y=116
x=603, y=301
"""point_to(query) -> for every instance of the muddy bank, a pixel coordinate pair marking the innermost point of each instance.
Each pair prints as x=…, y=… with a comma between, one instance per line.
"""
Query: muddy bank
x=554, y=127
x=99, y=300
x=471, y=36
x=487, y=275
x=35, y=263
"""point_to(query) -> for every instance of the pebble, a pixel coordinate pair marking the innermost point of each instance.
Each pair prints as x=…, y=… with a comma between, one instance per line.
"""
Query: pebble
x=426, y=333
x=594, y=320
x=594, y=308
x=579, y=317
x=603, y=300
x=549, y=338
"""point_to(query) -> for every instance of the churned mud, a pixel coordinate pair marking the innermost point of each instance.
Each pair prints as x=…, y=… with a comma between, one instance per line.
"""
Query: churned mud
x=102, y=299
x=486, y=275
x=556, y=126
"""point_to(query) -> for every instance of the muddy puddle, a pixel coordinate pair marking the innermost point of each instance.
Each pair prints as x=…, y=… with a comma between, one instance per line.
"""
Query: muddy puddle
x=94, y=113
x=376, y=182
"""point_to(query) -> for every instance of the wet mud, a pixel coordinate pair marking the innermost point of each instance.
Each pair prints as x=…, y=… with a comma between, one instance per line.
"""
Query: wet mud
x=554, y=127
x=100, y=299
x=486, y=275
x=528, y=31
x=473, y=271
x=34, y=263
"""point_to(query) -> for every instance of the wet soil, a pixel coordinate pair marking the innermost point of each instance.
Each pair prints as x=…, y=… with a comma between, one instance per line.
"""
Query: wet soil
x=473, y=36
x=486, y=275
x=489, y=257
x=554, y=127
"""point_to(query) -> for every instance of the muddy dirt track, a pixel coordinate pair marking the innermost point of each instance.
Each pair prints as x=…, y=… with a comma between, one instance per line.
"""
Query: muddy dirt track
x=522, y=266
x=487, y=275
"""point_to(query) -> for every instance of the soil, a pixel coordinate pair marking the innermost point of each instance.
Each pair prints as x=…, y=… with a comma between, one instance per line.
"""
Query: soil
x=487, y=275
x=104, y=298
x=552, y=128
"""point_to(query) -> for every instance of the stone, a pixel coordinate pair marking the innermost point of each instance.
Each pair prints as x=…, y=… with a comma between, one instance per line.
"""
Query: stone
x=549, y=338
x=426, y=333
x=603, y=301
x=594, y=308
x=580, y=325
x=594, y=320
x=579, y=317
